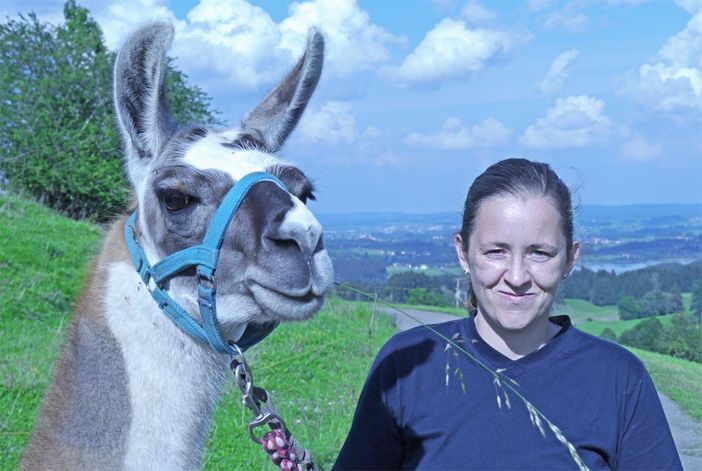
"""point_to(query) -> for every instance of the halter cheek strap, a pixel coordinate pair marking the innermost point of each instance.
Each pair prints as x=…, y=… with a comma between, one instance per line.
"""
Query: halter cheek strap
x=204, y=257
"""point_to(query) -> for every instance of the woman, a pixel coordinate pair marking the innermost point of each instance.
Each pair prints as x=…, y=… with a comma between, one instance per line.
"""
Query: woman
x=427, y=405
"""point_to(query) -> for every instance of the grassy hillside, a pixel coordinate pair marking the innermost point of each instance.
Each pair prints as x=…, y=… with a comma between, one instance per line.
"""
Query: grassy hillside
x=313, y=369
x=681, y=380
x=44, y=260
x=594, y=319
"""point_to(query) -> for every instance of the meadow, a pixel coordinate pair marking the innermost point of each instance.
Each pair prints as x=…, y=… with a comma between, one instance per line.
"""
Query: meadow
x=314, y=369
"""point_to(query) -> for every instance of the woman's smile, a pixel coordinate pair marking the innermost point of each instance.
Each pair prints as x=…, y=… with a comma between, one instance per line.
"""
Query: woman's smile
x=517, y=298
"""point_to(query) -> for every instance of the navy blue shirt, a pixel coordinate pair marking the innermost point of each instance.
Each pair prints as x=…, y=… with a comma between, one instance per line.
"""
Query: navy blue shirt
x=426, y=405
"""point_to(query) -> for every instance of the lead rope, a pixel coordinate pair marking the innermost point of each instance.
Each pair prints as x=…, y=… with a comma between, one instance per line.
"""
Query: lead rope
x=283, y=449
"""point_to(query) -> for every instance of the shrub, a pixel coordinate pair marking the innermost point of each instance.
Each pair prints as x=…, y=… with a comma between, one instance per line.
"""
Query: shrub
x=608, y=334
x=58, y=140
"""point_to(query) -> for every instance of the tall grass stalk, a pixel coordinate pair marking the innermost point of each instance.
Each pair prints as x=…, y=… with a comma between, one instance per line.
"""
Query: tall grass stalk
x=501, y=381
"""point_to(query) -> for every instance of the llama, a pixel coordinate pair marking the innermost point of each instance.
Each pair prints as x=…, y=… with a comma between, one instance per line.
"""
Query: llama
x=132, y=390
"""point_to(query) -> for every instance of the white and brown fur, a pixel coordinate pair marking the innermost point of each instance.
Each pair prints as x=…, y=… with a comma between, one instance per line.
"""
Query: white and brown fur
x=130, y=389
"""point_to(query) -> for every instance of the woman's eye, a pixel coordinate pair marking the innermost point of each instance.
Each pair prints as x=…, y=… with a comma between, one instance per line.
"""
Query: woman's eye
x=495, y=253
x=175, y=200
x=540, y=256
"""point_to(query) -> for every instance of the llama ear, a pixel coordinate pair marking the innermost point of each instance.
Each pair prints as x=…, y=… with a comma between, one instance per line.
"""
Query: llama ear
x=271, y=122
x=142, y=113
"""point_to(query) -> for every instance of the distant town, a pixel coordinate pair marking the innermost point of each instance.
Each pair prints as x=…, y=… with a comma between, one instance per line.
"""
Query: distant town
x=371, y=247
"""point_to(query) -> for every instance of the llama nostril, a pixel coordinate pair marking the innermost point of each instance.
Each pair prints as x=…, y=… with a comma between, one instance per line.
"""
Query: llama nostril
x=285, y=244
x=298, y=227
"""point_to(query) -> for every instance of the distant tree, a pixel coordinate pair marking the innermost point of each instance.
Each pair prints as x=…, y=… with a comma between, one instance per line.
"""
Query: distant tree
x=647, y=334
x=629, y=308
x=604, y=289
x=421, y=296
x=653, y=303
x=696, y=301
x=608, y=334
x=58, y=141
x=578, y=284
x=683, y=338
x=673, y=300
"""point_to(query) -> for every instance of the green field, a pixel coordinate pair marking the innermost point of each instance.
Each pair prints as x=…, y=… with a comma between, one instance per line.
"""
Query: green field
x=679, y=379
x=594, y=319
x=314, y=369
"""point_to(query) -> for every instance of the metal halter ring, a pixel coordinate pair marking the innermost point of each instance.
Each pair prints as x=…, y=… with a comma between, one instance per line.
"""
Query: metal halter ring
x=255, y=398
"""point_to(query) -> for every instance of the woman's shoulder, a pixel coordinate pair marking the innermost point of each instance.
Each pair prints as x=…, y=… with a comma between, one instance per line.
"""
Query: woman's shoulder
x=604, y=353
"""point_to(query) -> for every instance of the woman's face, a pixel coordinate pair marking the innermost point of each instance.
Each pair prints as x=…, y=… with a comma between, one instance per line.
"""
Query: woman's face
x=517, y=256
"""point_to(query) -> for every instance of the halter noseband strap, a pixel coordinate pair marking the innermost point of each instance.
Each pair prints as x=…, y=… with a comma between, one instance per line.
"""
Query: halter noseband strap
x=205, y=257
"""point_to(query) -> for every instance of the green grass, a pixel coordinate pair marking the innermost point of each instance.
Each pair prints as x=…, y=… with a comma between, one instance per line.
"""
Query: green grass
x=461, y=312
x=594, y=319
x=581, y=311
x=680, y=380
x=430, y=271
x=687, y=302
x=44, y=260
x=313, y=369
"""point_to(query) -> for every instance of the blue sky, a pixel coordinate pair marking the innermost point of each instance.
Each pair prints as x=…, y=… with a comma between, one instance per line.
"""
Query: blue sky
x=417, y=98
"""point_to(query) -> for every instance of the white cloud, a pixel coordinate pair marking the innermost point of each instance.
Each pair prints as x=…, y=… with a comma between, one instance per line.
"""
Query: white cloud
x=574, y=121
x=372, y=132
x=569, y=21
x=451, y=49
x=119, y=17
x=638, y=148
x=538, y=5
x=473, y=13
x=240, y=44
x=331, y=124
x=353, y=42
x=558, y=72
x=690, y=6
x=673, y=79
x=454, y=135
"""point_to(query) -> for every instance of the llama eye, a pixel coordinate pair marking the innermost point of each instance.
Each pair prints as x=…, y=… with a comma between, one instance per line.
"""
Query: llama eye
x=307, y=196
x=175, y=200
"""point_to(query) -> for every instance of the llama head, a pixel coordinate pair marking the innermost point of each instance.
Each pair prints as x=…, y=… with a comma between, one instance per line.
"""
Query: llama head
x=273, y=265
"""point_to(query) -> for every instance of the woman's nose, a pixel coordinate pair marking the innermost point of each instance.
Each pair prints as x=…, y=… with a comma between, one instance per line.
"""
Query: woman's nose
x=517, y=275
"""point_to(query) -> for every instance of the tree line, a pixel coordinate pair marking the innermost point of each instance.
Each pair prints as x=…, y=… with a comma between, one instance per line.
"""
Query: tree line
x=647, y=292
x=58, y=139
x=407, y=287
x=681, y=338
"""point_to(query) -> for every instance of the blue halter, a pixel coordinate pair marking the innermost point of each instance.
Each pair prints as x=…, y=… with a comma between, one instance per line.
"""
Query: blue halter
x=205, y=257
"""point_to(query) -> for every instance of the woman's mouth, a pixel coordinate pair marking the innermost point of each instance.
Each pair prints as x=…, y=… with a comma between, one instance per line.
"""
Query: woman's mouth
x=517, y=298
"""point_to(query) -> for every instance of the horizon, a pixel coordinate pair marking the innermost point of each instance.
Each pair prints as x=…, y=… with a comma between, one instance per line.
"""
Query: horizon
x=321, y=213
x=417, y=99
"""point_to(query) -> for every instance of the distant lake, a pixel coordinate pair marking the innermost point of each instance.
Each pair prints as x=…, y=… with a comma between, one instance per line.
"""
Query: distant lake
x=622, y=267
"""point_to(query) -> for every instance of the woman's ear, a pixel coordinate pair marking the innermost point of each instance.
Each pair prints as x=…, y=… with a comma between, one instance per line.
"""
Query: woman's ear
x=462, y=256
x=574, y=254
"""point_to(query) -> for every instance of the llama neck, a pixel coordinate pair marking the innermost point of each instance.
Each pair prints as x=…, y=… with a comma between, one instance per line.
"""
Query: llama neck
x=173, y=381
